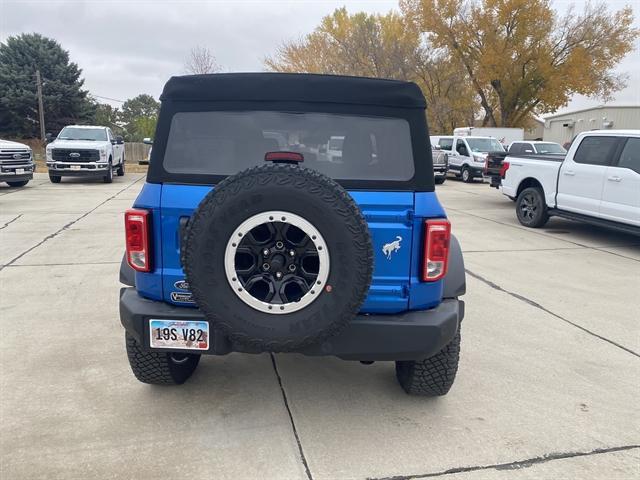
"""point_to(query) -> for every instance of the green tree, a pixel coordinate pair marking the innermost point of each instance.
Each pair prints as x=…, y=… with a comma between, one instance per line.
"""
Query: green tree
x=65, y=102
x=106, y=115
x=134, y=111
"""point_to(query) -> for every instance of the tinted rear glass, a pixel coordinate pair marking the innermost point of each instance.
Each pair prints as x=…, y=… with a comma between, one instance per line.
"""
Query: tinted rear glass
x=596, y=150
x=340, y=146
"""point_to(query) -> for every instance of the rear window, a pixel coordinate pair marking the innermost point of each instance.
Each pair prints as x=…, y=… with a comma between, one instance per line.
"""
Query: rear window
x=596, y=150
x=346, y=147
x=446, y=143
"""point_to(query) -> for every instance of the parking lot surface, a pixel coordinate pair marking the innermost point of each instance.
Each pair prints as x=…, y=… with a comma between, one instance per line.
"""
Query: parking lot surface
x=548, y=384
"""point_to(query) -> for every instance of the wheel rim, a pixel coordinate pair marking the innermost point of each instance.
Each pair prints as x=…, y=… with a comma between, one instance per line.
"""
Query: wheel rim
x=465, y=175
x=528, y=206
x=277, y=262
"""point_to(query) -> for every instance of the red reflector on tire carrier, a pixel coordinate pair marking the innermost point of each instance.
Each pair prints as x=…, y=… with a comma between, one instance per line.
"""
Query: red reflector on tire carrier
x=137, y=228
x=437, y=234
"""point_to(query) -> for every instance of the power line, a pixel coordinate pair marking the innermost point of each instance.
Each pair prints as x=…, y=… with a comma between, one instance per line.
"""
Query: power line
x=107, y=98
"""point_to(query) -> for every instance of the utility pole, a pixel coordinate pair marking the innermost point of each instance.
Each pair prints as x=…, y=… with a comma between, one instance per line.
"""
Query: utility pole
x=40, y=105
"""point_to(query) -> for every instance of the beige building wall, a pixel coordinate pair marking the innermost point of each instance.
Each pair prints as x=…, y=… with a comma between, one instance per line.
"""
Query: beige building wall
x=562, y=128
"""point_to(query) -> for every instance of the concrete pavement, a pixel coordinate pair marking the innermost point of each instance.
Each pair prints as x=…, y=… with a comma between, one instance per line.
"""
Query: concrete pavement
x=547, y=388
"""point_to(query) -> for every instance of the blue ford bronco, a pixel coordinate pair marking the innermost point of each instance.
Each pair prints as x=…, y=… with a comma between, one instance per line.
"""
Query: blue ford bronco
x=249, y=237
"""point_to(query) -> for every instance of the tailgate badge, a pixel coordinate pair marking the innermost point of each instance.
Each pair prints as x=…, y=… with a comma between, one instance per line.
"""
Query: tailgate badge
x=391, y=247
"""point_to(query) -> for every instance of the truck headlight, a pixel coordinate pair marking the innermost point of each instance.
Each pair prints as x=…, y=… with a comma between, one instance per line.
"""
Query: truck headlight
x=49, y=156
x=103, y=154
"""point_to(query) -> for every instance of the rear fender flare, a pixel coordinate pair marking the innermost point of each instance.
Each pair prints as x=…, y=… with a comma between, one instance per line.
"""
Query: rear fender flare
x=455, y=283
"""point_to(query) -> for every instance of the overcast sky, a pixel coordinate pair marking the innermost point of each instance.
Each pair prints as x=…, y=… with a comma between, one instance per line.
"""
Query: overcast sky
x=129, y=47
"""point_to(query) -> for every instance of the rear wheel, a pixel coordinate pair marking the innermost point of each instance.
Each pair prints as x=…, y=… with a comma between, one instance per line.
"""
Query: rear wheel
x=55, y=178
x=159, y=368
x=108, y=178
x=434, y=376
x=531, y=208
x=467, y=177
x=18, y=184
x=120, y=170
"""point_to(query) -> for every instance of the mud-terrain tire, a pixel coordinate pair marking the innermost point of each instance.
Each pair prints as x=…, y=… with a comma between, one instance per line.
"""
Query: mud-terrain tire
x=159, y=368
x=531, y=208
x=18, y=184
x=55, y=178
x=254, y=193
x=434, y=376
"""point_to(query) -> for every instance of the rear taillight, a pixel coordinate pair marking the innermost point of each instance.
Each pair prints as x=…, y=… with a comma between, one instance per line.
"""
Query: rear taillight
x=137, y=228
x=437, y=234
x=503, y=169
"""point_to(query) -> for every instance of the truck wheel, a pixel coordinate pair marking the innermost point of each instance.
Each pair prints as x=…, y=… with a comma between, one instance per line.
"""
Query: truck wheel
x=278, y=257
x=440, y=180
x=108, y=178
x=159, y=368
x=434, y=376
x=120, y=170
x=466, y=175
x=18, y=184
x=55, y=178
x=531, y=208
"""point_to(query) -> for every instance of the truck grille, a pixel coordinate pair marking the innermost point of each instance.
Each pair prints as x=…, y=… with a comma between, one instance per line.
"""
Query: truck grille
x=75, y=155
x=15, y=157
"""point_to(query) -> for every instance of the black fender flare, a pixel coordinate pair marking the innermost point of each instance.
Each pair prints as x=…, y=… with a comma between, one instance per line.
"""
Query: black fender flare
x=455, y=283
x=127, y=274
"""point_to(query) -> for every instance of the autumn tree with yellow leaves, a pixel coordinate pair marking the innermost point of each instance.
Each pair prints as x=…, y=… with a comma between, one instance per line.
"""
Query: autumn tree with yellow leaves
x=504, y=60
x=521, y=56
x=385, y=46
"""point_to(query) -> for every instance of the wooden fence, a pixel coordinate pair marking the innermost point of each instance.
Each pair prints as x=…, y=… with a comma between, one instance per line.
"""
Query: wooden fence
x=136, y=151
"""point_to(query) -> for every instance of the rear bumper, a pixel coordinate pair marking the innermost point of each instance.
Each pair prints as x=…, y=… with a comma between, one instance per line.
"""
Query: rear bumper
x=412, y=335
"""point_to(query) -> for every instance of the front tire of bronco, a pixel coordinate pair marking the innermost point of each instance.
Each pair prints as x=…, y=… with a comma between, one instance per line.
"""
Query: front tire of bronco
x=55, y=178
x=159, y=368
x=434, y=376
x=440, y=180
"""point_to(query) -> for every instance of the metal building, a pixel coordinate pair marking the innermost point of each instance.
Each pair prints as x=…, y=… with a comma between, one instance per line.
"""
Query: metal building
x=563, y=127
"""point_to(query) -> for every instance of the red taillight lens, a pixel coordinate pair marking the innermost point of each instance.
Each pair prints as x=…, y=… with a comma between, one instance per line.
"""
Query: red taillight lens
x=136, y=226
x=437, y=234
x=503, y=169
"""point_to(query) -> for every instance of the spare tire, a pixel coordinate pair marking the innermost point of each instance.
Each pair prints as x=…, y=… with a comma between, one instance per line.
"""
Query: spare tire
x=278, y=257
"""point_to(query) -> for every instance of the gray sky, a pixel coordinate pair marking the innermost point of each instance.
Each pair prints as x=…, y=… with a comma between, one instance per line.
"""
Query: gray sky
x=131, y=47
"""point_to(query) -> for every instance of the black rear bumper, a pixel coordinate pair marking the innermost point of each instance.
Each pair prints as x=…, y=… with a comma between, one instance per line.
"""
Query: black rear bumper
x=412, y=335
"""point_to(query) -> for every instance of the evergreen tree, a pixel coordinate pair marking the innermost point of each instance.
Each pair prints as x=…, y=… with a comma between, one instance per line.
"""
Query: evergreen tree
x=65, y=102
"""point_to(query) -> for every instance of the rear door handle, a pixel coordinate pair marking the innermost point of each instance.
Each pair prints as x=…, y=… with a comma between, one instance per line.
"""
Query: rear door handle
x=615, y=178
x=569, y=172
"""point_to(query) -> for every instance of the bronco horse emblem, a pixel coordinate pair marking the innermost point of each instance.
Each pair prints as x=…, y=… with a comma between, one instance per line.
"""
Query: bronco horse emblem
x=392, y=247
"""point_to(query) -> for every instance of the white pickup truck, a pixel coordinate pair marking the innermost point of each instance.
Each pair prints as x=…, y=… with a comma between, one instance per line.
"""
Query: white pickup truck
x=598, y=181
x=82, y=150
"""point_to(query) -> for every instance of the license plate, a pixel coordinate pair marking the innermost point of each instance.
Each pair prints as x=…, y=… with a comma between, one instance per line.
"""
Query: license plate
x=185, y=335
x=19, y=171
x=75, y=167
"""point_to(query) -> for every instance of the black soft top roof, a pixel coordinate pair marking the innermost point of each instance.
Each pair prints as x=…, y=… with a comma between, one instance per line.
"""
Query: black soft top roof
x=294, y=87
